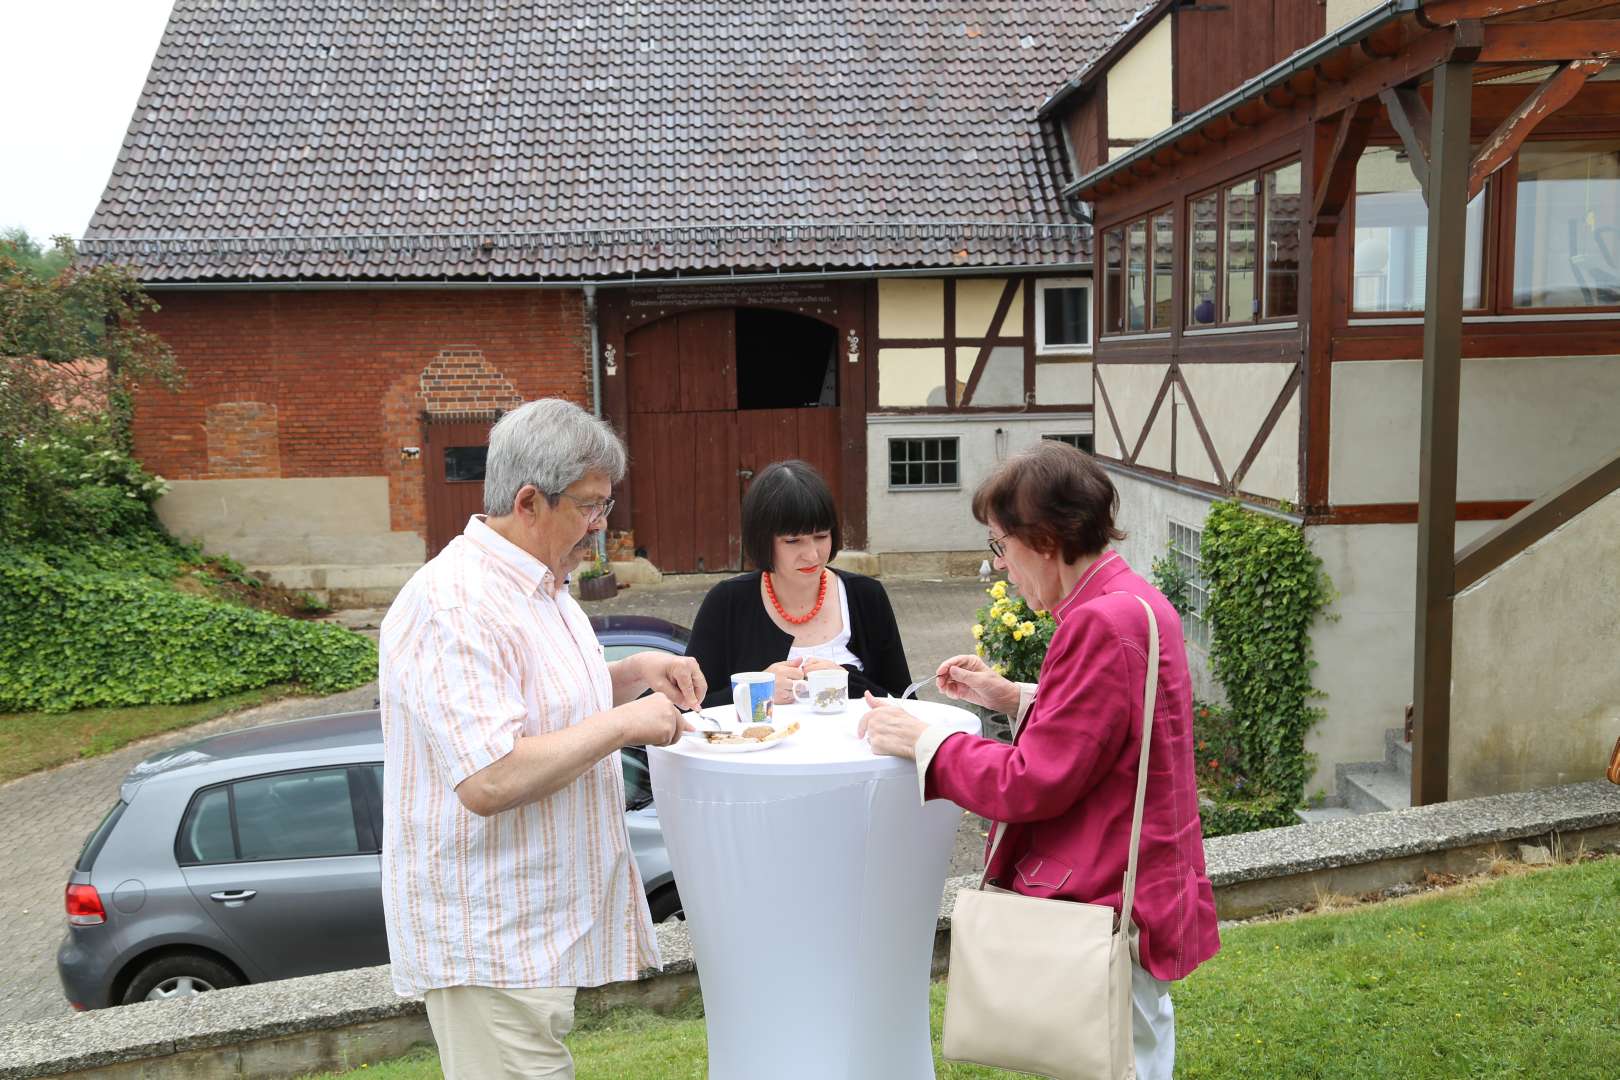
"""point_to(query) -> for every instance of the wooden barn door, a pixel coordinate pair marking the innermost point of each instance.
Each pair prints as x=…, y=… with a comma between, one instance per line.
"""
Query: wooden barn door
x=693, y=452
x=683, y=441
x=454, y=473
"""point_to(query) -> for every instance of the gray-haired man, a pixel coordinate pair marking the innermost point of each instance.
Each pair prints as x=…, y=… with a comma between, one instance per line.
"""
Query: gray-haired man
x=507, y=875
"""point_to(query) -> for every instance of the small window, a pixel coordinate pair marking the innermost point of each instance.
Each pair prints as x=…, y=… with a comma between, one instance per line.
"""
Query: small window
x=1063, y=306
x=1283, y=238
x=1204, y=260
x=1079, y=442
x=923, y=463
x=1238, y=284
x=465, y=464
x=296, y=815
x=1164, y=246
x=1185, y=542
x=1566, y=246
x=1136, y=277
x=205, y=834
x=1392, y=238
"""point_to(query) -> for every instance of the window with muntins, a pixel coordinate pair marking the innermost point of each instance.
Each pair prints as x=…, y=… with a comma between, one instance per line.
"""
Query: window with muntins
x=1138, y=275
x=1243, y=249
x=924, y=463
x=1392, y=238
x=1185, y=542
x=1566, y=235
x=1074, y=439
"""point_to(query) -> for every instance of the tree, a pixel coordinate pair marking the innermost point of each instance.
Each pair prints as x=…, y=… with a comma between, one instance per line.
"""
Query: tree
x=29, y=253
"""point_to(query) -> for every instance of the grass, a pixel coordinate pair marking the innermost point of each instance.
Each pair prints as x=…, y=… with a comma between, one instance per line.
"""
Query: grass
x=32, y=741
x=1505, y=977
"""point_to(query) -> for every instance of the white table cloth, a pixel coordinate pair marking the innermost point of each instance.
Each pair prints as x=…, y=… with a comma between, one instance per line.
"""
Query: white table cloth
x=811, y=875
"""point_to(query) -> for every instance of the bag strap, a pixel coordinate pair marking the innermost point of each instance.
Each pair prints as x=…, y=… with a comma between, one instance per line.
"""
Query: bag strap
x=1149, y=700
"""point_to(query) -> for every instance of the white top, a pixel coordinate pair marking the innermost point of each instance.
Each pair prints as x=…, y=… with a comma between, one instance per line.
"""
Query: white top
x=483, y=646
x=835, y=648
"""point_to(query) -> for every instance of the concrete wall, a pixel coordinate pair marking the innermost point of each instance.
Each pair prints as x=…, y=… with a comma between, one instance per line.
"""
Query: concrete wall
x=1536, y=682
x=1364, y=650
x=902, y=520
x=1527, y=425
x=266, y=522
x=1139, y=87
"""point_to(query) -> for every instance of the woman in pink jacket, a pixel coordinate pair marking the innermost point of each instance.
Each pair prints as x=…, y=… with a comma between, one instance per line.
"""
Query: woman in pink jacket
x=1067, y=785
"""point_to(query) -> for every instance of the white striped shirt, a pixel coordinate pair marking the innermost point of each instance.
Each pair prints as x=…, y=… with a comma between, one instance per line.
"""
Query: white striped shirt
x=482, y=646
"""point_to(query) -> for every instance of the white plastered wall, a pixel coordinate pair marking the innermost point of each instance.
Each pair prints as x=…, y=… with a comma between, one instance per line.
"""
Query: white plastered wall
x=1535, y=697
x=1139, y=87
x=942, y=519
x=1527, y=424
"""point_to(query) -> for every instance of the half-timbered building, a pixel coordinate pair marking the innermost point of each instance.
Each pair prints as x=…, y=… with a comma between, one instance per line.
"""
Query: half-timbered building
x=1359, y=265
x=742, y=232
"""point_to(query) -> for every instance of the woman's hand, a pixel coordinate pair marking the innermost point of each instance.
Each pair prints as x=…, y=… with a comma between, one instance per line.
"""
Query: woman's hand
x=811, y=663
x=787, y=673
x=890, y=729
x=969, y=678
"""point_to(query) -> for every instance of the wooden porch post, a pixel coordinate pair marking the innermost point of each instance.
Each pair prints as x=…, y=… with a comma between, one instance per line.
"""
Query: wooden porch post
x=1437, y=469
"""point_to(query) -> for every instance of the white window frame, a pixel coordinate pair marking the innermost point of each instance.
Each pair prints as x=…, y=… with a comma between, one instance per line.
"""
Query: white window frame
x=1186, y=547
x=889, y=462
x=1041, y=347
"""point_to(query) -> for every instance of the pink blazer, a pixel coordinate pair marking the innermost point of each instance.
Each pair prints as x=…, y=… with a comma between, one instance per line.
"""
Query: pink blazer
x=1067, y=787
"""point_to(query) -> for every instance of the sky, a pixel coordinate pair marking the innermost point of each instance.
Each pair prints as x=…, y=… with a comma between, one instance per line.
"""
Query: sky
x=74, y=70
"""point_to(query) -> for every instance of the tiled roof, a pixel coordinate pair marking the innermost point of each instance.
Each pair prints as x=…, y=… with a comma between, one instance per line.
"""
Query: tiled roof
x=369, y=139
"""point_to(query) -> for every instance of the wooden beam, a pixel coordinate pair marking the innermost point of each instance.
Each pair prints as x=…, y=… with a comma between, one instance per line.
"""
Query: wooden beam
x=1409, y=116
x=1551, y=43
x=1279, y=97
x=1420, y=57
x=1448, y=12
x=1441, y=405
x=1510, y=134
x=1335, y=67
x=1303, y=83
x=1535, y=521
x=1385, y=41
x=980, y=362
x=1339, y=175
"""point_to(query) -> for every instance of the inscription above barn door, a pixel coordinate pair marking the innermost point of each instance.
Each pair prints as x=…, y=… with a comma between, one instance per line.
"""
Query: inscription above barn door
x=454, y=475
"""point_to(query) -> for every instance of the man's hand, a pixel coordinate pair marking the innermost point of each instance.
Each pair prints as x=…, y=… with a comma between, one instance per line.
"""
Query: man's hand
x=676, y=677
x=890, y=729
x=969, y=678
x=650, y=721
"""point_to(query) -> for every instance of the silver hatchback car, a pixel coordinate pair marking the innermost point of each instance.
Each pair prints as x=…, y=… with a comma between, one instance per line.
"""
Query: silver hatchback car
x=254, y=855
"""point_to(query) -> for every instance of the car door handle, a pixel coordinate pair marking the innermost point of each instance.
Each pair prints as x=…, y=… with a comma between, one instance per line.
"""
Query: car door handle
x=233, y=896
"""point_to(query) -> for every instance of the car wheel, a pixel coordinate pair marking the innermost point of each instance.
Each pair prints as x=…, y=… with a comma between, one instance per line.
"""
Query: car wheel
x=178, y=976
x=664, y=903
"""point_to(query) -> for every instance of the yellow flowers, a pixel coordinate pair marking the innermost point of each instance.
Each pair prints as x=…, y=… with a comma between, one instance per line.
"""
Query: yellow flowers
x=999, y=590
x=1023, y=630
x=978, y=631
x=979, y=649
x=1009, y=620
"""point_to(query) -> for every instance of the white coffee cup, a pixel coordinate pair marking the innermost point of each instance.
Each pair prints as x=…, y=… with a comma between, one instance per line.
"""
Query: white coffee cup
x=826, y=690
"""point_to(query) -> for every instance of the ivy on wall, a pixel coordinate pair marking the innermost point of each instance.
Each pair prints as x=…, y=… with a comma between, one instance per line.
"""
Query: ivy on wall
x=1266, y=589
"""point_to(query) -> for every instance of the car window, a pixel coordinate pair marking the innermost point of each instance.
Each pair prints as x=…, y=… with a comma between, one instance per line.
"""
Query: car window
x=205, y=835
x=96, y=840
x=637, y=779
x=619, y=652
x=296, y=815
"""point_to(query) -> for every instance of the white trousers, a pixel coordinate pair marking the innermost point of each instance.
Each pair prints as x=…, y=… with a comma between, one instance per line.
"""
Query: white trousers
x=1153, y=1026
x=488, y=1033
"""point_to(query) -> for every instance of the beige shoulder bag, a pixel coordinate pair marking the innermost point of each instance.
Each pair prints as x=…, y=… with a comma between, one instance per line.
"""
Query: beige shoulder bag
x=1044, y=986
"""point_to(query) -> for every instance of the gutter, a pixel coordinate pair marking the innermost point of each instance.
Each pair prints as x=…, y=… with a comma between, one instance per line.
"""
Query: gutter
x=596, y=352
x=1129, y=34
x=618, y=282
x=1348, y=34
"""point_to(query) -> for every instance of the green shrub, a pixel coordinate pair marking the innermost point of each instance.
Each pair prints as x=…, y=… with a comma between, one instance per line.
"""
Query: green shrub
x=75, y=638
x=76, y=483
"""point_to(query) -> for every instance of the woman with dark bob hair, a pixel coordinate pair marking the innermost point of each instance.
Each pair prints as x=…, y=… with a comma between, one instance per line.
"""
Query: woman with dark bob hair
x=1066, y=786
x=796, y=614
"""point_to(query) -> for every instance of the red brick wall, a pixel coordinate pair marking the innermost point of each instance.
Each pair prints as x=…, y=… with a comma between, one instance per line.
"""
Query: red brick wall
x=243, y=439
x=341, y=376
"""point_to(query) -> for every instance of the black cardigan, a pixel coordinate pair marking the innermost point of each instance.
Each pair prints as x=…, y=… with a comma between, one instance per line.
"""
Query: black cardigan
x=733, y=632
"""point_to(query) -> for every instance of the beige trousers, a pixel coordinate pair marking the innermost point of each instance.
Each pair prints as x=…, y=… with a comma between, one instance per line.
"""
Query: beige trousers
x=490, y=1033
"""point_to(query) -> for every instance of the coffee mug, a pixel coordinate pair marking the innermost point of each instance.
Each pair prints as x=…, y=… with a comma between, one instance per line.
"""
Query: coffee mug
x=827, y=690
x=752, y=693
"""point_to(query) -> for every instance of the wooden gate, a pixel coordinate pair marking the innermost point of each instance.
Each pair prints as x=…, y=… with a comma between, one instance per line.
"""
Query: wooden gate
x=454, y=475
x=693, y=451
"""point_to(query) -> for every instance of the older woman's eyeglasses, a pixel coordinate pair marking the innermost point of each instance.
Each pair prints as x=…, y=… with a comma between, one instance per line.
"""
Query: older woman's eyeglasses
x=997, y=548
x=592, y=509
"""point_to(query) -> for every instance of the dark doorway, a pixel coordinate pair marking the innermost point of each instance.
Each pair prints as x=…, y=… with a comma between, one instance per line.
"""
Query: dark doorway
x=454, y=475
x=785, y=361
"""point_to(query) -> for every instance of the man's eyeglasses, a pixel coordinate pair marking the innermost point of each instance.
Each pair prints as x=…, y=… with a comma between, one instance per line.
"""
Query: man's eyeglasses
x=593, y=510
x=997, y=548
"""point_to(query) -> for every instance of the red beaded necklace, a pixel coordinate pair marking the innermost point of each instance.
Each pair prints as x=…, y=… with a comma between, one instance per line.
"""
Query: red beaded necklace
x=821, y=595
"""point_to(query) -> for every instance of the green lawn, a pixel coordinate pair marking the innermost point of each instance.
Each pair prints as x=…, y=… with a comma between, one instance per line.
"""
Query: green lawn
x=32, y=741
x=1510, y=978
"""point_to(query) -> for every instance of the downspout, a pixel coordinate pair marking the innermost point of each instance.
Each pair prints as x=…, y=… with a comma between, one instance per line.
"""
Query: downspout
x=596, y=390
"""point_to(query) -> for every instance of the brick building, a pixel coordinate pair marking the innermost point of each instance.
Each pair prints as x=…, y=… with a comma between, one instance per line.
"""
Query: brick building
x=825, y=229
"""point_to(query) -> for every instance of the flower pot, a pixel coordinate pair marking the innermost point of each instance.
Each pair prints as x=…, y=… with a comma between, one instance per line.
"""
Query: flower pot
x=601, y=587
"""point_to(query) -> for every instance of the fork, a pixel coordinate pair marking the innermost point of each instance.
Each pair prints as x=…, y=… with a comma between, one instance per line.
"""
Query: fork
x=911, y=690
